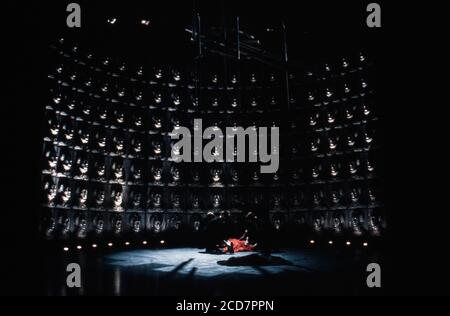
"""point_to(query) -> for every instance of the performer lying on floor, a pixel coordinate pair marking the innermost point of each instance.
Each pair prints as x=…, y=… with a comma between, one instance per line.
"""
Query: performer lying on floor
x=233, y=245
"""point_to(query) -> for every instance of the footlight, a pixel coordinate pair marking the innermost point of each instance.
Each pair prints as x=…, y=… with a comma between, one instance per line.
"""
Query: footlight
x=348, y=243
x=330, y=242
x=127, y=243
x=79, y=247
x=66, y=249
x=144, y=242
x=312, y=242
x=365, y=244
x=110, y=244
x=162, y=242
x=94, y=246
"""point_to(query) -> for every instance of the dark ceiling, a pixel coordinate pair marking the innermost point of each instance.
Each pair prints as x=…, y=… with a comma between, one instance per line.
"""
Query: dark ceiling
x=314, y=29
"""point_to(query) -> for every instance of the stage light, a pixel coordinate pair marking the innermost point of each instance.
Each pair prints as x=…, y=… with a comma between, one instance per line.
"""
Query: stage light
x=112, y=20
x=312, y=242
x=145, y=22
x=162, y=242
x=348, y=243
x=144, y=242
x=365, y=244
x=66, y=249
x=110, y=244
x=127, y=243
x=79, y=247
x=330, y=242
x=94, y=246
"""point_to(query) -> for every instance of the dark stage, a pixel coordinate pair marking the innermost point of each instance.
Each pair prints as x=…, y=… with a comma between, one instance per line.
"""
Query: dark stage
x=280, y=127
x=194, y=125
x=191, y=271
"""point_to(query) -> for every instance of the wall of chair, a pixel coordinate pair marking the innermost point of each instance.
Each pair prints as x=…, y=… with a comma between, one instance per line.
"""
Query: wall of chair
x=107, y=169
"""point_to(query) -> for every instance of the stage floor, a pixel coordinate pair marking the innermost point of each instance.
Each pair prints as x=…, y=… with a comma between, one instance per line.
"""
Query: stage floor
x=191, y=271
x=195, y=262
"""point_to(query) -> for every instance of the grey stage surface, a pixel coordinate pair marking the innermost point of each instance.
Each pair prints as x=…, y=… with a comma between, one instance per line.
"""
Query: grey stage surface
x=191, y=271
x=193, y=261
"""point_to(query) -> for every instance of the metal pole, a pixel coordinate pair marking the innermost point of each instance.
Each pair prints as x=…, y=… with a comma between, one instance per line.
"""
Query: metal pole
x=196, y=37
x=286, y=66
x=238, y=39
x=198, y=34
x=285, y=43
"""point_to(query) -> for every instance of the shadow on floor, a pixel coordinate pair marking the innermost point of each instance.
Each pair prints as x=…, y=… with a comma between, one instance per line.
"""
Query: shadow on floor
x=255, y=259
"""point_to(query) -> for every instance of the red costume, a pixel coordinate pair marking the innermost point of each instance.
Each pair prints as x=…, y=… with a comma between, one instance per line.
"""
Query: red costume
x=239, y=245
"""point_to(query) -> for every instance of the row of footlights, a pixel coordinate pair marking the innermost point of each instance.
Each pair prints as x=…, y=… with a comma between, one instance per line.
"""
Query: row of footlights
x=162, y=242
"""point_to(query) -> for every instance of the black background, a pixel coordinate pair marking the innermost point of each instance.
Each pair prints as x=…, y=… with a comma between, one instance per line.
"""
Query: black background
x=415, y=245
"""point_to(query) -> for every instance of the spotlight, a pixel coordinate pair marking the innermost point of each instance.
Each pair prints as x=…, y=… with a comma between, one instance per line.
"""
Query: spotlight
x=94, y=245
x=348, y=243
x=312, y=242
x=127, y=243
x=110, y=244
x=162, y=242
x=145, y=22
x=112, y=20
x=79, y=247
x=66, y=249
x=365, y=244
x=330, y=242
x=144, y=242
